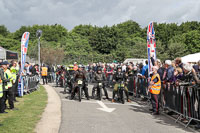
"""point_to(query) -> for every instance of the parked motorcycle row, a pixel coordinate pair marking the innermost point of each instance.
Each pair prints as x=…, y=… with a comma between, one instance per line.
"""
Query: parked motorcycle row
x=65, y=79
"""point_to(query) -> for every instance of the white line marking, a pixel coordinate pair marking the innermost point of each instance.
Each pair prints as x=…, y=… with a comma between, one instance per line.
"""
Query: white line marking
x=104, y=107
x=94, y=102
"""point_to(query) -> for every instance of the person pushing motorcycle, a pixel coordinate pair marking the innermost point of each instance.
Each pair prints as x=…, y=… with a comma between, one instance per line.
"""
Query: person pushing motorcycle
x=117, y=78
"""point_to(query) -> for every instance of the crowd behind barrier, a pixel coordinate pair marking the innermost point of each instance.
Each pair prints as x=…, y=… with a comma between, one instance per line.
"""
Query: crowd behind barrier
x=31, y=83
x=181, y=99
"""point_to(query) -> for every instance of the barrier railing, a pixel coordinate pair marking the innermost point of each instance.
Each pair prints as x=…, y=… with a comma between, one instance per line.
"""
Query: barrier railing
x=183, y=100
x=30, y=83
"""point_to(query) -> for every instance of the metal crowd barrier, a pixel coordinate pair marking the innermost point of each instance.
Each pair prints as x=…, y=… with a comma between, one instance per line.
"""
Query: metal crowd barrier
x=138, y=87
x=31, y=83
x=183, y=100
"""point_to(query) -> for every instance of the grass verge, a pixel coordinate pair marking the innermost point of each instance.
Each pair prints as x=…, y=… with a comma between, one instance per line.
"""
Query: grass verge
x=30, y=111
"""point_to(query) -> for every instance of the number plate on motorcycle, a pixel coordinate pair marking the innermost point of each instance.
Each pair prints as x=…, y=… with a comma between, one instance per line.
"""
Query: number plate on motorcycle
x=100, y=84
x=80, y=82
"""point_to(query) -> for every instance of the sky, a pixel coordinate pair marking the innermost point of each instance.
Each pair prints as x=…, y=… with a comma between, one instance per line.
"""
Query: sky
x=70, y=13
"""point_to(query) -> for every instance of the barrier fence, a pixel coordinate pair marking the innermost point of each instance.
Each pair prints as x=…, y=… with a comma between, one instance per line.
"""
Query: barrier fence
x=182, y=99
x=31, y=83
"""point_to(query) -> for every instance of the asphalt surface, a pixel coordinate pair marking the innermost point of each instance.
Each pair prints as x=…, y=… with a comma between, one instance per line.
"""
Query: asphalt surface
x=134, y=117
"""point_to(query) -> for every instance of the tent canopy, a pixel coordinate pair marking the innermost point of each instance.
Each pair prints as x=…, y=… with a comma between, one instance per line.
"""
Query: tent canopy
x=7, y=54
x=191, y=58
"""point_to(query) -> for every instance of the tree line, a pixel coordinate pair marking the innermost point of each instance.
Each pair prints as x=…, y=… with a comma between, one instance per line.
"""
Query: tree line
x=87, y=43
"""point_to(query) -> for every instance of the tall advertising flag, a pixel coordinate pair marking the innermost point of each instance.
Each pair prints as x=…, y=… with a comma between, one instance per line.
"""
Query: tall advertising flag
x=24, y=47
x=151, y=46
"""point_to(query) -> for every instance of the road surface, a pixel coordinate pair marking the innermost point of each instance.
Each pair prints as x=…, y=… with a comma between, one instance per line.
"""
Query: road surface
x=93, y=116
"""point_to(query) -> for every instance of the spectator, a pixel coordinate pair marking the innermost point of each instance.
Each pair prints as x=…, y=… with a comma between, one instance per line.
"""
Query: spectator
x=168, y=72
x=178, y=62
x=197, y=67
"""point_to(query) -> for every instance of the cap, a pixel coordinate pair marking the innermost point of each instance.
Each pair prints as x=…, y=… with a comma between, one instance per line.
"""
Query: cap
x=168, y=62
x=5, y=63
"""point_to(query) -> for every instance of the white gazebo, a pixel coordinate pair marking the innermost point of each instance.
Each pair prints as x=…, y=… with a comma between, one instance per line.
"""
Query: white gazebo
x=191, y=58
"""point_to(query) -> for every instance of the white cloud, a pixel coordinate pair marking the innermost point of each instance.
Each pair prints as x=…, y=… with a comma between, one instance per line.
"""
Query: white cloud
x=69, y=13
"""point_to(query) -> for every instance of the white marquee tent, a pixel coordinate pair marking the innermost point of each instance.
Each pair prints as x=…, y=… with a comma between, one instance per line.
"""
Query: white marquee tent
x=191, y=58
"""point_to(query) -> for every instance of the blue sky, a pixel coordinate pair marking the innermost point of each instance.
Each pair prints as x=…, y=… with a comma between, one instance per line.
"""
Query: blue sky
x=69, y=13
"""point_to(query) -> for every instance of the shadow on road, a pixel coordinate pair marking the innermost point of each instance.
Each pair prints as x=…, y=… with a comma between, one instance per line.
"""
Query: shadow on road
x=160, y=119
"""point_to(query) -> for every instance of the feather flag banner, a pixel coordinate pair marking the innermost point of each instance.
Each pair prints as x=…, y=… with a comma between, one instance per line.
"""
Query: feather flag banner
x=151, y=46
x=24, y=47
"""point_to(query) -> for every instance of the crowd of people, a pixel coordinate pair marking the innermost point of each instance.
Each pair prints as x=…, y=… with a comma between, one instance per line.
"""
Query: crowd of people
x=9, y=79
x=168, y=72
x=111, y=75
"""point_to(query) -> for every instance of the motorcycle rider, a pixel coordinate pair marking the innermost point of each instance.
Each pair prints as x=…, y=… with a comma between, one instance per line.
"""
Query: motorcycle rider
x=100, y=77
x=80, y=75
x=117, y=78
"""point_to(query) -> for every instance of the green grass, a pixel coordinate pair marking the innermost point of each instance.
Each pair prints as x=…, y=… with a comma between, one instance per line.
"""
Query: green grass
x=25, y=119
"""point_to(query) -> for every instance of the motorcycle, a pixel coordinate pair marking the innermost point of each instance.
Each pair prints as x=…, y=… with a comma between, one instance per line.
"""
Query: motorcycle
x=97, y=91
x=120, y=92
x=60, y=79
x=79, y=89
x=68, y=83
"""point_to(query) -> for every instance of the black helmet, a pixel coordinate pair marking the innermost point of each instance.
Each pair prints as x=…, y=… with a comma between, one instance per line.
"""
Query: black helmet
x=99, y=69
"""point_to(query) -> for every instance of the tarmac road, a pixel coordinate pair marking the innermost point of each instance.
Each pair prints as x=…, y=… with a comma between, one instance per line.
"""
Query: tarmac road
x=93, y=116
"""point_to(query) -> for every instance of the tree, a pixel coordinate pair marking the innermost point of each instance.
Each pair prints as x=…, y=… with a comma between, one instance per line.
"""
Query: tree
x=176, y=50
x=3, y=31
x=192, y=41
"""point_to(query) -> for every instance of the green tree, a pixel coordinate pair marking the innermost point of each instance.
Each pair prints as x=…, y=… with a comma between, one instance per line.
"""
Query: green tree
x=192, y=41
x=3, y=30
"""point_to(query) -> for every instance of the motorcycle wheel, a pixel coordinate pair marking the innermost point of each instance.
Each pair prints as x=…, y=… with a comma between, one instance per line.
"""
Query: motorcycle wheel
x=100, y=94
x=93, y=93
x=79, y=94
x=122, y=97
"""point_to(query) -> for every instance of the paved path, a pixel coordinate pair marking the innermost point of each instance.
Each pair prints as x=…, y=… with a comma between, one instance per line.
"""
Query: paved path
x=86, y=117
x=51, y=117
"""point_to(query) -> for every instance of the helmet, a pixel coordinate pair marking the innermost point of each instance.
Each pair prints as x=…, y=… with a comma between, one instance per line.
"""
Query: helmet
x=99, y=69
x=119, y=67
x=79, y=66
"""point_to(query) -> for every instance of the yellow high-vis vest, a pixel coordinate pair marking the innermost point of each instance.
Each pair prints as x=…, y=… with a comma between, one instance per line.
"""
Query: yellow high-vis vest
x=44, y=71
x=8, y=75
x=1, y=88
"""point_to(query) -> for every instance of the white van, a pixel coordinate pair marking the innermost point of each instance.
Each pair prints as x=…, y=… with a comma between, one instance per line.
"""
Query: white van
x=135, y=61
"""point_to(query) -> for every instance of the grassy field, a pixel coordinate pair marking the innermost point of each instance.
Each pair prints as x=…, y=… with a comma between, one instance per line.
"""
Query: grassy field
x=25, y=119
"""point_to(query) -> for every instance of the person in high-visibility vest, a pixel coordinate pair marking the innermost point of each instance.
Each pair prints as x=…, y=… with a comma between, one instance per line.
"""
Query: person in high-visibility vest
x=75, y=67
x=8, y=86
x=2, y=104
x=44, y=74
x=14, y=70
x=154, y=89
